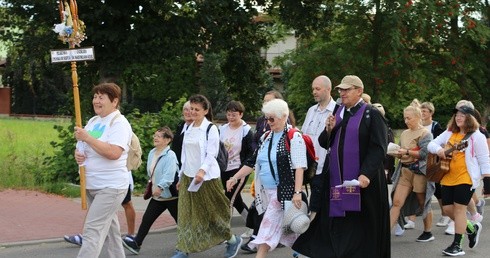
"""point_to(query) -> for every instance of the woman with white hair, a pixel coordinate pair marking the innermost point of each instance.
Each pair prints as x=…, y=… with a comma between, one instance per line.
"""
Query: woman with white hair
x=278, y=177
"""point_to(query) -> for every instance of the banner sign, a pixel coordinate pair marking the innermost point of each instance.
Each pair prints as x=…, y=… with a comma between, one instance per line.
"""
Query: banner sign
x=72, y=55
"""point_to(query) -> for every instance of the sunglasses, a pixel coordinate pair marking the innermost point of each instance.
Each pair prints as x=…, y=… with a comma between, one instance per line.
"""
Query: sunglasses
x=270, y=119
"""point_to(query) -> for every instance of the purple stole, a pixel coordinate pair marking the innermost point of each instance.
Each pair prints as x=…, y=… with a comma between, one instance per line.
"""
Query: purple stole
x=348, y=198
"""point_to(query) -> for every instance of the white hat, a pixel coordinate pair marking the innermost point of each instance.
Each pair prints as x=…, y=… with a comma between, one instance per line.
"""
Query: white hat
x=297, y=220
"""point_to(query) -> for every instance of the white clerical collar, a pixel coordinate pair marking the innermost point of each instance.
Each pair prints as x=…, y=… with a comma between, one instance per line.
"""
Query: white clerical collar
x=360, y=100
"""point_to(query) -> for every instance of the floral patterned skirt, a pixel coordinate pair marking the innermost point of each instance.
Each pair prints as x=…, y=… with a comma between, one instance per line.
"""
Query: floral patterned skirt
x=204, y=216
x=271, y=231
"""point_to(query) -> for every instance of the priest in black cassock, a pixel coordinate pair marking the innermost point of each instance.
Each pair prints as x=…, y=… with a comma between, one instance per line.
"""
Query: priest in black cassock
x=354, y=217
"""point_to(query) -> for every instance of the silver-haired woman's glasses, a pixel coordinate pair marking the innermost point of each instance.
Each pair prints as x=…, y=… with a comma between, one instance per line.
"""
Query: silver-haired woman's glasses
x=270, y=119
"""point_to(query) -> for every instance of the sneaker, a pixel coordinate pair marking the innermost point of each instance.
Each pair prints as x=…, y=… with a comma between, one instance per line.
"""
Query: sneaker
x=443, y=221
x=399, y=230
x=410, y=225
x=476, y=218
x=75, y=239
x=475, y=236
x=247, y=234
x=480, y=206
x=453, y=250
x=131, y=245
x=180, y=254
x=247, y=248
x=450, y=228
x=425, y=237
x=232, y=249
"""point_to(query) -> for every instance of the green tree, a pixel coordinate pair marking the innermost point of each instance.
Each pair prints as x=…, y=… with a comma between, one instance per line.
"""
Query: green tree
x=148, y=47
x=402, y=50
x=34, y=81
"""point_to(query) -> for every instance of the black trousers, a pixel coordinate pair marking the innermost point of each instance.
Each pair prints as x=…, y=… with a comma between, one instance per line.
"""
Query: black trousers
x=239, y=204
x=152, y=212
x=316, y=184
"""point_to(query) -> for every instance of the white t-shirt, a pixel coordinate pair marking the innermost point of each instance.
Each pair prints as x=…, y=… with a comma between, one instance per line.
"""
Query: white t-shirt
x=100, y=171
x=232, y=139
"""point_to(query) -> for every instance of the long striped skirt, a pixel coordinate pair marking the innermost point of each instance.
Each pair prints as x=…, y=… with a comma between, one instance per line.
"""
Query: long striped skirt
x=204, y=216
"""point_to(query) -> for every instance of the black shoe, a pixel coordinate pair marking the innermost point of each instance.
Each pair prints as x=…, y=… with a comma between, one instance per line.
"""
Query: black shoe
x=425, y=237
x=453, y=250
x=247, y=248
x=475, y=236
x=131, y=245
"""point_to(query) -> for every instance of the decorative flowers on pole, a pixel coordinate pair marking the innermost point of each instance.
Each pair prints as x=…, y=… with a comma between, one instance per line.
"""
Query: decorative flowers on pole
x=71, y=30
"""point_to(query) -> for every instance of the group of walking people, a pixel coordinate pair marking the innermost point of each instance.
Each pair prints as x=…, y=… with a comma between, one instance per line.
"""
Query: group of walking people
x=467, y=166
x=348, y=207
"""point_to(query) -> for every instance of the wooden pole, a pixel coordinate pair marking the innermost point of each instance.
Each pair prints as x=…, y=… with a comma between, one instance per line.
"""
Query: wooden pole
x=78, y=122
x=72, y=42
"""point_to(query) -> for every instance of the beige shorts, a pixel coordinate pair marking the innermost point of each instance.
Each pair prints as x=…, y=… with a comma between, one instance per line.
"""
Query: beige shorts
x=418, y=183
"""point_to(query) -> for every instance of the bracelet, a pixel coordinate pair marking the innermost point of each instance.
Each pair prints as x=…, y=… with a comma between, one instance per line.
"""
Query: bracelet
x=298, y=192
x=236, y=181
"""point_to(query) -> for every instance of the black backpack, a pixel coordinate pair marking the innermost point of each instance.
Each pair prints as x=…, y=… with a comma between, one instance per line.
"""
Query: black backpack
x=222, y=157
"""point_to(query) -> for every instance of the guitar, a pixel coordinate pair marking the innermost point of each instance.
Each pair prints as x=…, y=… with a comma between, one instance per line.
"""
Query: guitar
x=437, y=167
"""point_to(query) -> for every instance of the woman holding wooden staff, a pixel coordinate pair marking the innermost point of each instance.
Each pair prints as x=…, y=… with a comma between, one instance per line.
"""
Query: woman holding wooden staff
x=103, y=150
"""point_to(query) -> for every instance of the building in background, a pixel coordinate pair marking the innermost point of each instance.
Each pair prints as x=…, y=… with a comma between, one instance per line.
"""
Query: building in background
x=276, y=50
x=5, y=92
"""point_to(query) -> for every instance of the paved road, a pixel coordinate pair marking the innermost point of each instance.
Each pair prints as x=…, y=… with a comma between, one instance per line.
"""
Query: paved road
x=162, y=243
